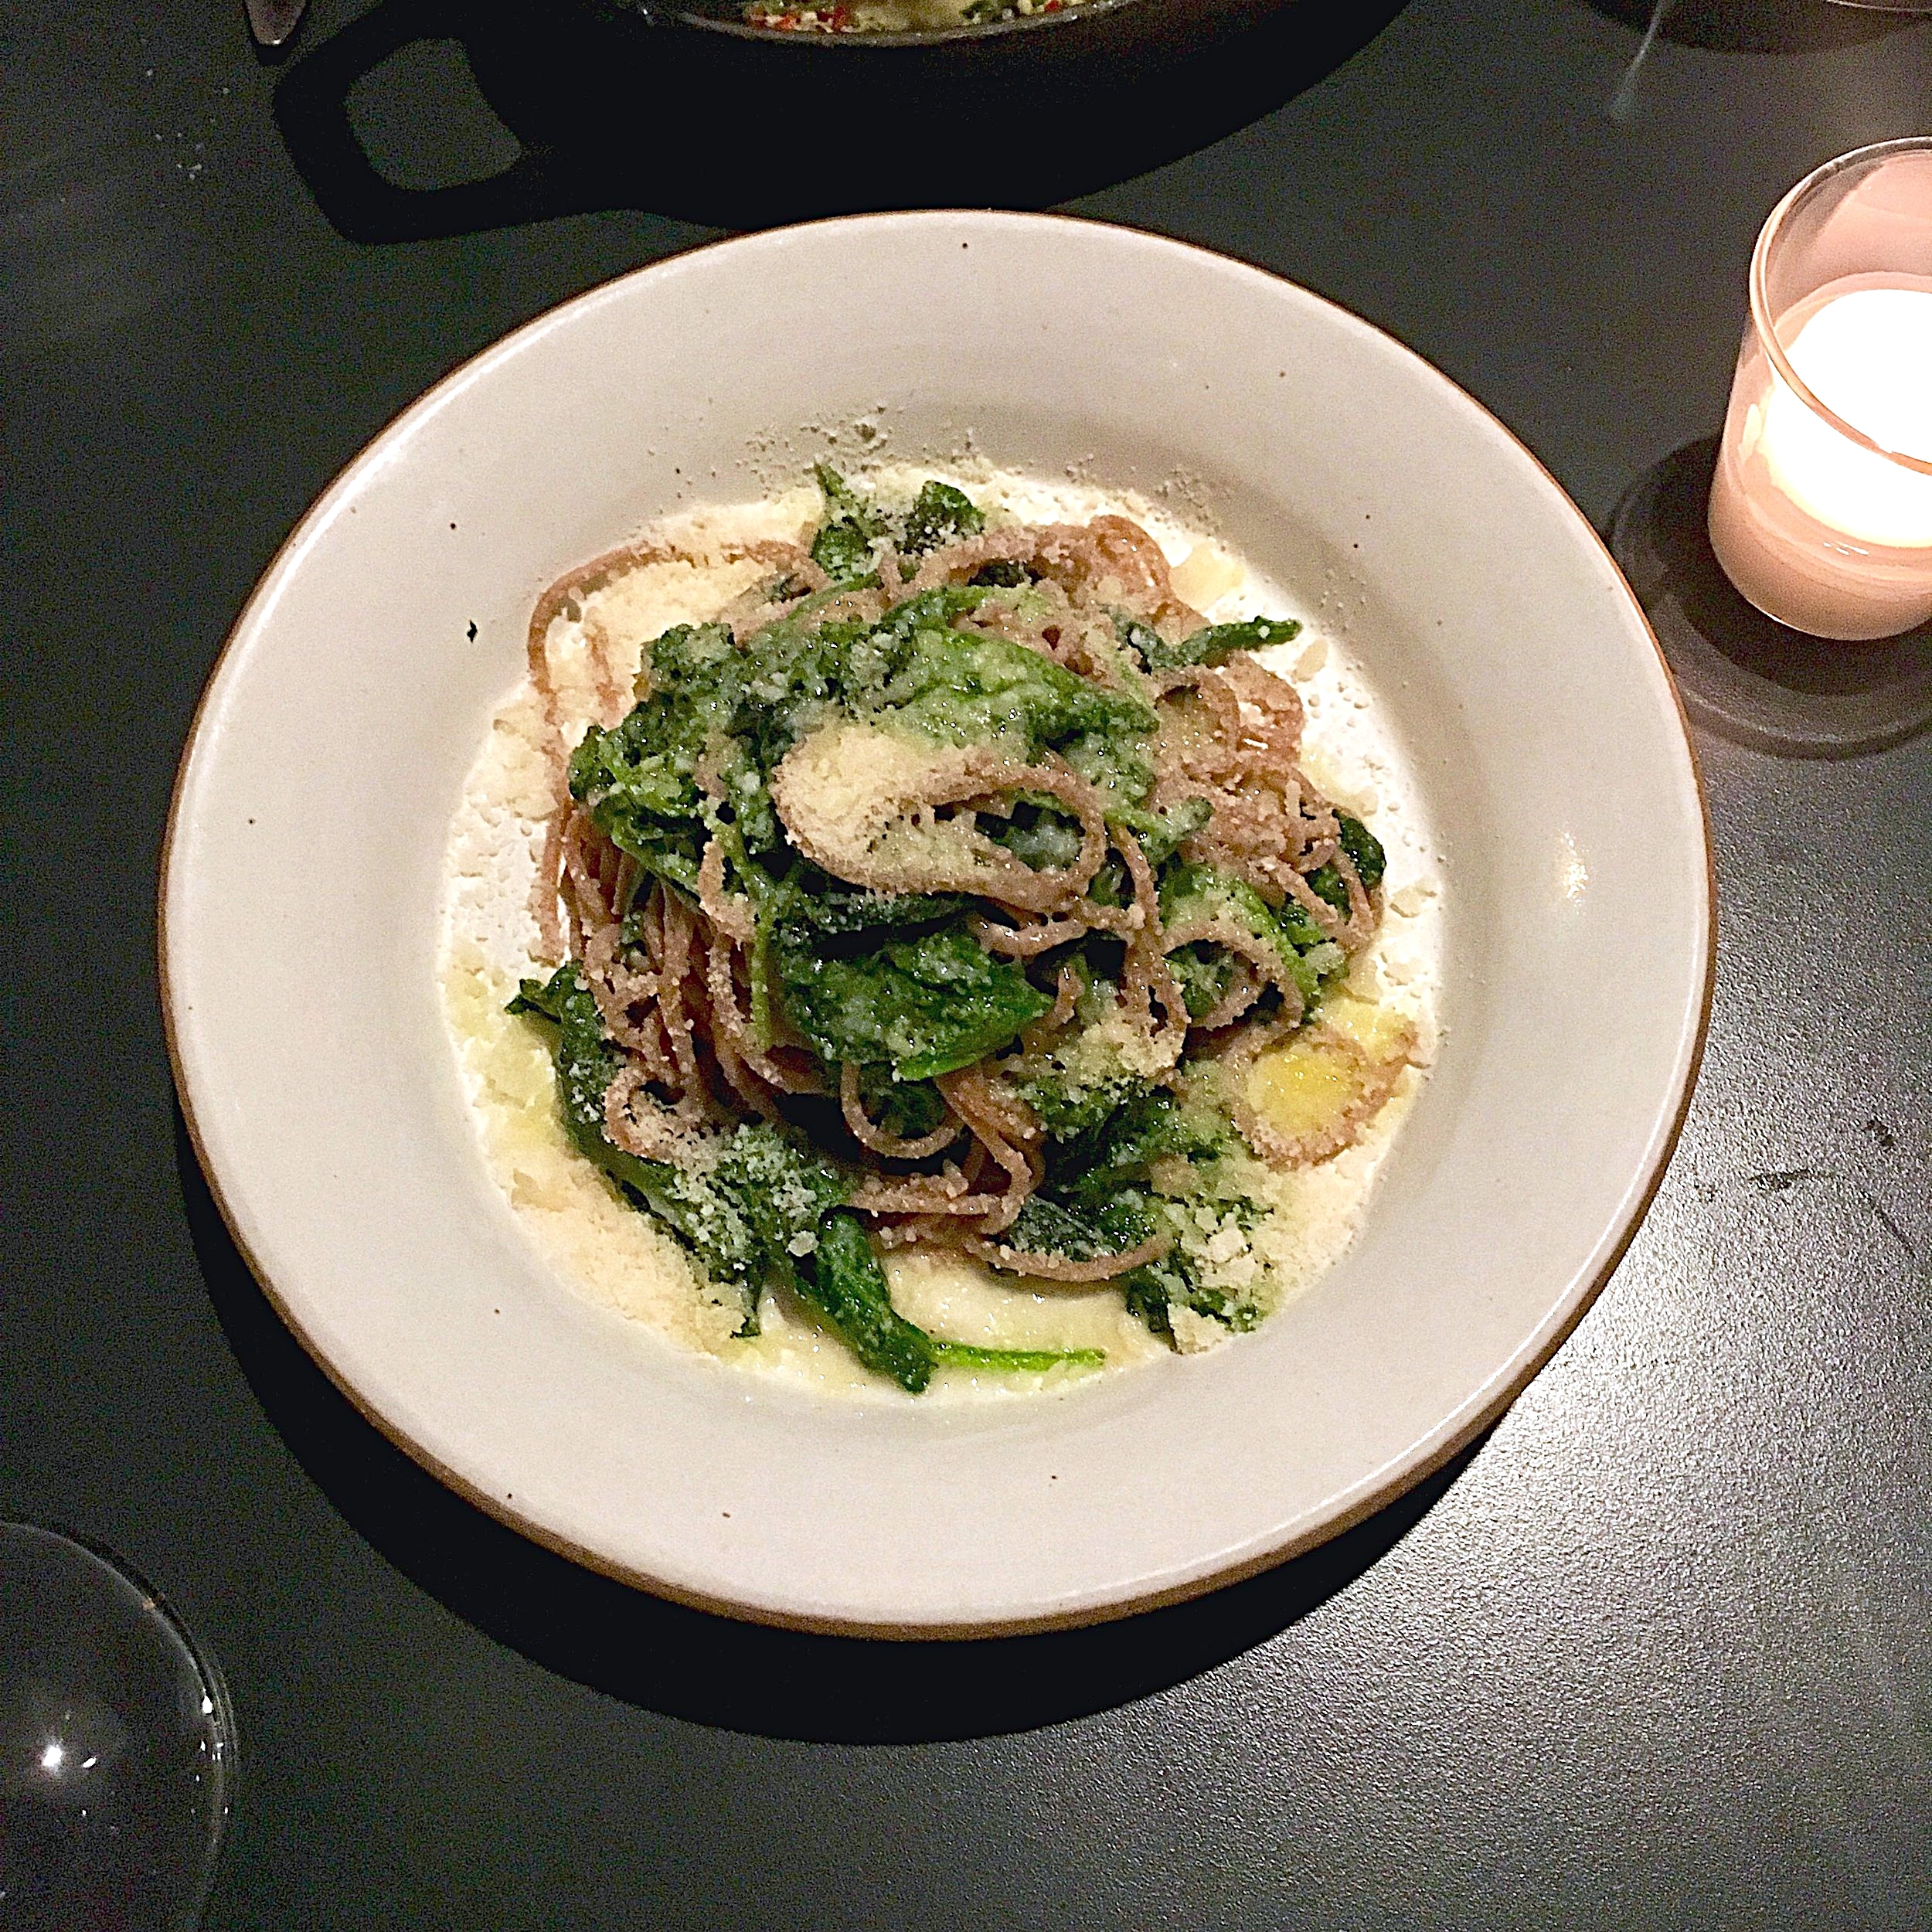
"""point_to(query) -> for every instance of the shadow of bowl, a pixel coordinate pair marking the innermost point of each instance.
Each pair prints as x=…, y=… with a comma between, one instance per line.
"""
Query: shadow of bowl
x=746, y=132
x=711, y=1670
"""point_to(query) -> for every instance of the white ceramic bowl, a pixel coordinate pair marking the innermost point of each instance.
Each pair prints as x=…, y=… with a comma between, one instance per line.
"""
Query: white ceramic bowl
x=302, y=877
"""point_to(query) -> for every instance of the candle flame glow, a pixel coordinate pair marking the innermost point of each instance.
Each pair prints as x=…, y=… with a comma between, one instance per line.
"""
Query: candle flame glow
x=1868, y=356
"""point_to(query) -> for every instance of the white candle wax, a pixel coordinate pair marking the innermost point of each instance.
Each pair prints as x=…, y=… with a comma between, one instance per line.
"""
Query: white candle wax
x=1813, y=527
x=1868, y=356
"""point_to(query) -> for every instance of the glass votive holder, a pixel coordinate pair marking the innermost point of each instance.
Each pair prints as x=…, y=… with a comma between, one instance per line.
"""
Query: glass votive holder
x=1820, y=506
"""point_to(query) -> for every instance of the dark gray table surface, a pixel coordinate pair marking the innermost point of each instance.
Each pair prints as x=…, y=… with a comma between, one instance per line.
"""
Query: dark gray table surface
x=1656, y=1653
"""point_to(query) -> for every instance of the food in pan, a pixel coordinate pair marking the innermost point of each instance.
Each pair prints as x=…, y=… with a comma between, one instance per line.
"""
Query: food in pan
x=896, y=925
x=894, y=16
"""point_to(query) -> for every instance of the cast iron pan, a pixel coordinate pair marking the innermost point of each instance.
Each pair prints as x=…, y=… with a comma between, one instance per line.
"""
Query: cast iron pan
x=689, y=110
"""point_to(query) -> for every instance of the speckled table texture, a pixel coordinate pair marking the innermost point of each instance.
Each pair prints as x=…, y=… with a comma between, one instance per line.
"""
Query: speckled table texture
x=1655, y=1653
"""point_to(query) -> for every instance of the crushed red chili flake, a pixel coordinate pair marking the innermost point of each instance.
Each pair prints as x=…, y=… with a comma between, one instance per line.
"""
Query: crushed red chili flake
x=837, y=19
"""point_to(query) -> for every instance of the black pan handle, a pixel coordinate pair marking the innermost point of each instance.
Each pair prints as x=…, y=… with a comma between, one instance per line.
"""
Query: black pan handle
x=312, y=111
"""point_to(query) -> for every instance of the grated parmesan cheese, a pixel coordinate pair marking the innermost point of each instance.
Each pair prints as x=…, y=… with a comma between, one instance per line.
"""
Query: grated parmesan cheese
x=845, y=791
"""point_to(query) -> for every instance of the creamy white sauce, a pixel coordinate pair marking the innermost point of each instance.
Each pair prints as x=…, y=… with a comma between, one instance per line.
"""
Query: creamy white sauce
x=618, y=1257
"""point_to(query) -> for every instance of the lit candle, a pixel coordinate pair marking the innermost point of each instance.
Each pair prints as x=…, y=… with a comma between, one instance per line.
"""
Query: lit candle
x=1821, y=509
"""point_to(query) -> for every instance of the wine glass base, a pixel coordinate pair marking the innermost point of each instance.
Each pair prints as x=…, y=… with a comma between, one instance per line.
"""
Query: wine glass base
x=1741, y=675
x=117, y=1745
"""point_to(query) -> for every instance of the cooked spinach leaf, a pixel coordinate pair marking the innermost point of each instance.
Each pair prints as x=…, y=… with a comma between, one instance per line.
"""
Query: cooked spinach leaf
x=1162, y=833
x=928, y=1003
x=638, y=780
x=1365, y=848
x=1204, y=973
x=1038, y=832
x=812, y=901
x=974, y=687
x=1068, y=1108
x=934, y=610
x=1145, y=1124
x=748, y=1215
x=940, y=515
x=911, y=1109
x=1192, y=893
x=1153, y=1292
x=588, y=1060
x=843, y=1280
x=1084, y=1232
x=1098, y=1198
x=746, y=1208
x=1212, y=643
x=1141, y=637
x=843, y=547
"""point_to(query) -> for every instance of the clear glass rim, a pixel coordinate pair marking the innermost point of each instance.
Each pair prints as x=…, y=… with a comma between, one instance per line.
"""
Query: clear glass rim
x=1764, y=322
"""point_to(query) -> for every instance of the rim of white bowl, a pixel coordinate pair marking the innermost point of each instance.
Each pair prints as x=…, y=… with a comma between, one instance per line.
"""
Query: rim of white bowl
x=1478, y=1411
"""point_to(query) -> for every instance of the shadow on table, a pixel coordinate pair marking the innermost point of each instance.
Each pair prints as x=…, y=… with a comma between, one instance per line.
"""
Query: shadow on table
x=433, y=118
x=1756, y=26
x=712, y=1670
